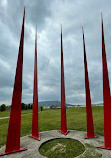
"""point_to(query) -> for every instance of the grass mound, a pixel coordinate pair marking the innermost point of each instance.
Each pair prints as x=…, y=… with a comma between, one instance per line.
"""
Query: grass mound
x=61, y=148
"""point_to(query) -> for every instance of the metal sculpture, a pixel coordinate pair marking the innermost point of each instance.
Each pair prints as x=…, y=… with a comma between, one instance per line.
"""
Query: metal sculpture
x=63, y=104
x=90, y=126
x=35, y=132
x=13, y=137
x=106, y=97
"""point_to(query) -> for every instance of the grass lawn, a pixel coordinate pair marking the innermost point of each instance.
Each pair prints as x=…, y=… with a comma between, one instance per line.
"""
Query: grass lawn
x=50, y=120
x=62, y=148
x=7, y=113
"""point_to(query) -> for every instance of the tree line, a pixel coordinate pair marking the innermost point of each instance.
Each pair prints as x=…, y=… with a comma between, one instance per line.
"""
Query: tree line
x=3, y=107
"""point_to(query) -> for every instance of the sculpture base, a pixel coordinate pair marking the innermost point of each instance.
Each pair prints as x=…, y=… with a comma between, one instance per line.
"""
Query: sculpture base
x=65, y=133
x=86, y=137
x=37, y=138
x=11, y=152
x=103, y=147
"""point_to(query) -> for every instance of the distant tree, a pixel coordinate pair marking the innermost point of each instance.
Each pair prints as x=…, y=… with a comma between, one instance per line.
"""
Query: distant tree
x=7, y=107
x=23, y=106
x=3, y=107
x=29, y=106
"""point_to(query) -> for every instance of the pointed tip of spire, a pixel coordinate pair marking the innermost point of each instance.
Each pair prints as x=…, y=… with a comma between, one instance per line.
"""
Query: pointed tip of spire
x=61, y=28
x=82, y=29
x=101, y=17
x=36, y=30
x=35, y=33
x=24, y=14
x=24, y=10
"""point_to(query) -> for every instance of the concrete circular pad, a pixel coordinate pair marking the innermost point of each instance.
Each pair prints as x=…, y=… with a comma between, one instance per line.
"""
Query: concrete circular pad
x=33, y=145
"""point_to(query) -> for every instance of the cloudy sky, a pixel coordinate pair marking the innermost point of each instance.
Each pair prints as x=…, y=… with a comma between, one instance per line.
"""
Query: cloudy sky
x=48, y=15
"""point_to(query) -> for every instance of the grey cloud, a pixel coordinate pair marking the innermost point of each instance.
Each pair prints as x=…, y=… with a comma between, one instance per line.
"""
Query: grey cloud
x=48, y=15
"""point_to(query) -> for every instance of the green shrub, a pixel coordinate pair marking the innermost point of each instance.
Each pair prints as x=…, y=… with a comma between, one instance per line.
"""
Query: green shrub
x=3, y=107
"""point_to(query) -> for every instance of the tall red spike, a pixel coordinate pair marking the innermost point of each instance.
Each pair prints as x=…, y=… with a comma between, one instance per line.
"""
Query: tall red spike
x=13, y=137
x=63, y=104
x=106, y=97
x=35, y=131
x=90, y=126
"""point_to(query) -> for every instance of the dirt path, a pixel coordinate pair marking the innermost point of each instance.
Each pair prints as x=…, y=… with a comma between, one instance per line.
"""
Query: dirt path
x=2, y=118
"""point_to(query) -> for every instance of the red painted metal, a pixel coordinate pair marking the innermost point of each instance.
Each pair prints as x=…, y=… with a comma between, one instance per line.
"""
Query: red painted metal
x=63, y=104
x=13, y=137
x=14, y=151
x=35, y=132
x=103, y=147
x=106, y=97
x=90, y=126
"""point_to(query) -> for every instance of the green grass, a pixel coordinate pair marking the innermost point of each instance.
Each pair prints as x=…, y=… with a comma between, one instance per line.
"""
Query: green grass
x=4, y=113
x=7, y=113
x=76, y=119
x=50, y=120
x=62, y=148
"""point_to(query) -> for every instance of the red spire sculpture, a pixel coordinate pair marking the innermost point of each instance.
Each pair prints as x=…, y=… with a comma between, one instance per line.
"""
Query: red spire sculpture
x=90, y=126
x=35, y=131
x=63, y=104
x=106, y=97
x=13, y=137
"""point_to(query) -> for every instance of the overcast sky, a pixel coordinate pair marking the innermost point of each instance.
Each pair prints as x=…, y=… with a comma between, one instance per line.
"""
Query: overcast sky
x=48, y=15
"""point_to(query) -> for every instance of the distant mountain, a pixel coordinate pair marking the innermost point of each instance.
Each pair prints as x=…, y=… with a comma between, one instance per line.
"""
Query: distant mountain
x=58, y=103
x=50, y=103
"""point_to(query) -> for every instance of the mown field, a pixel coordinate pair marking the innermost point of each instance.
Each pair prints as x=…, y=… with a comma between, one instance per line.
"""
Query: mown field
x=50, y=120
